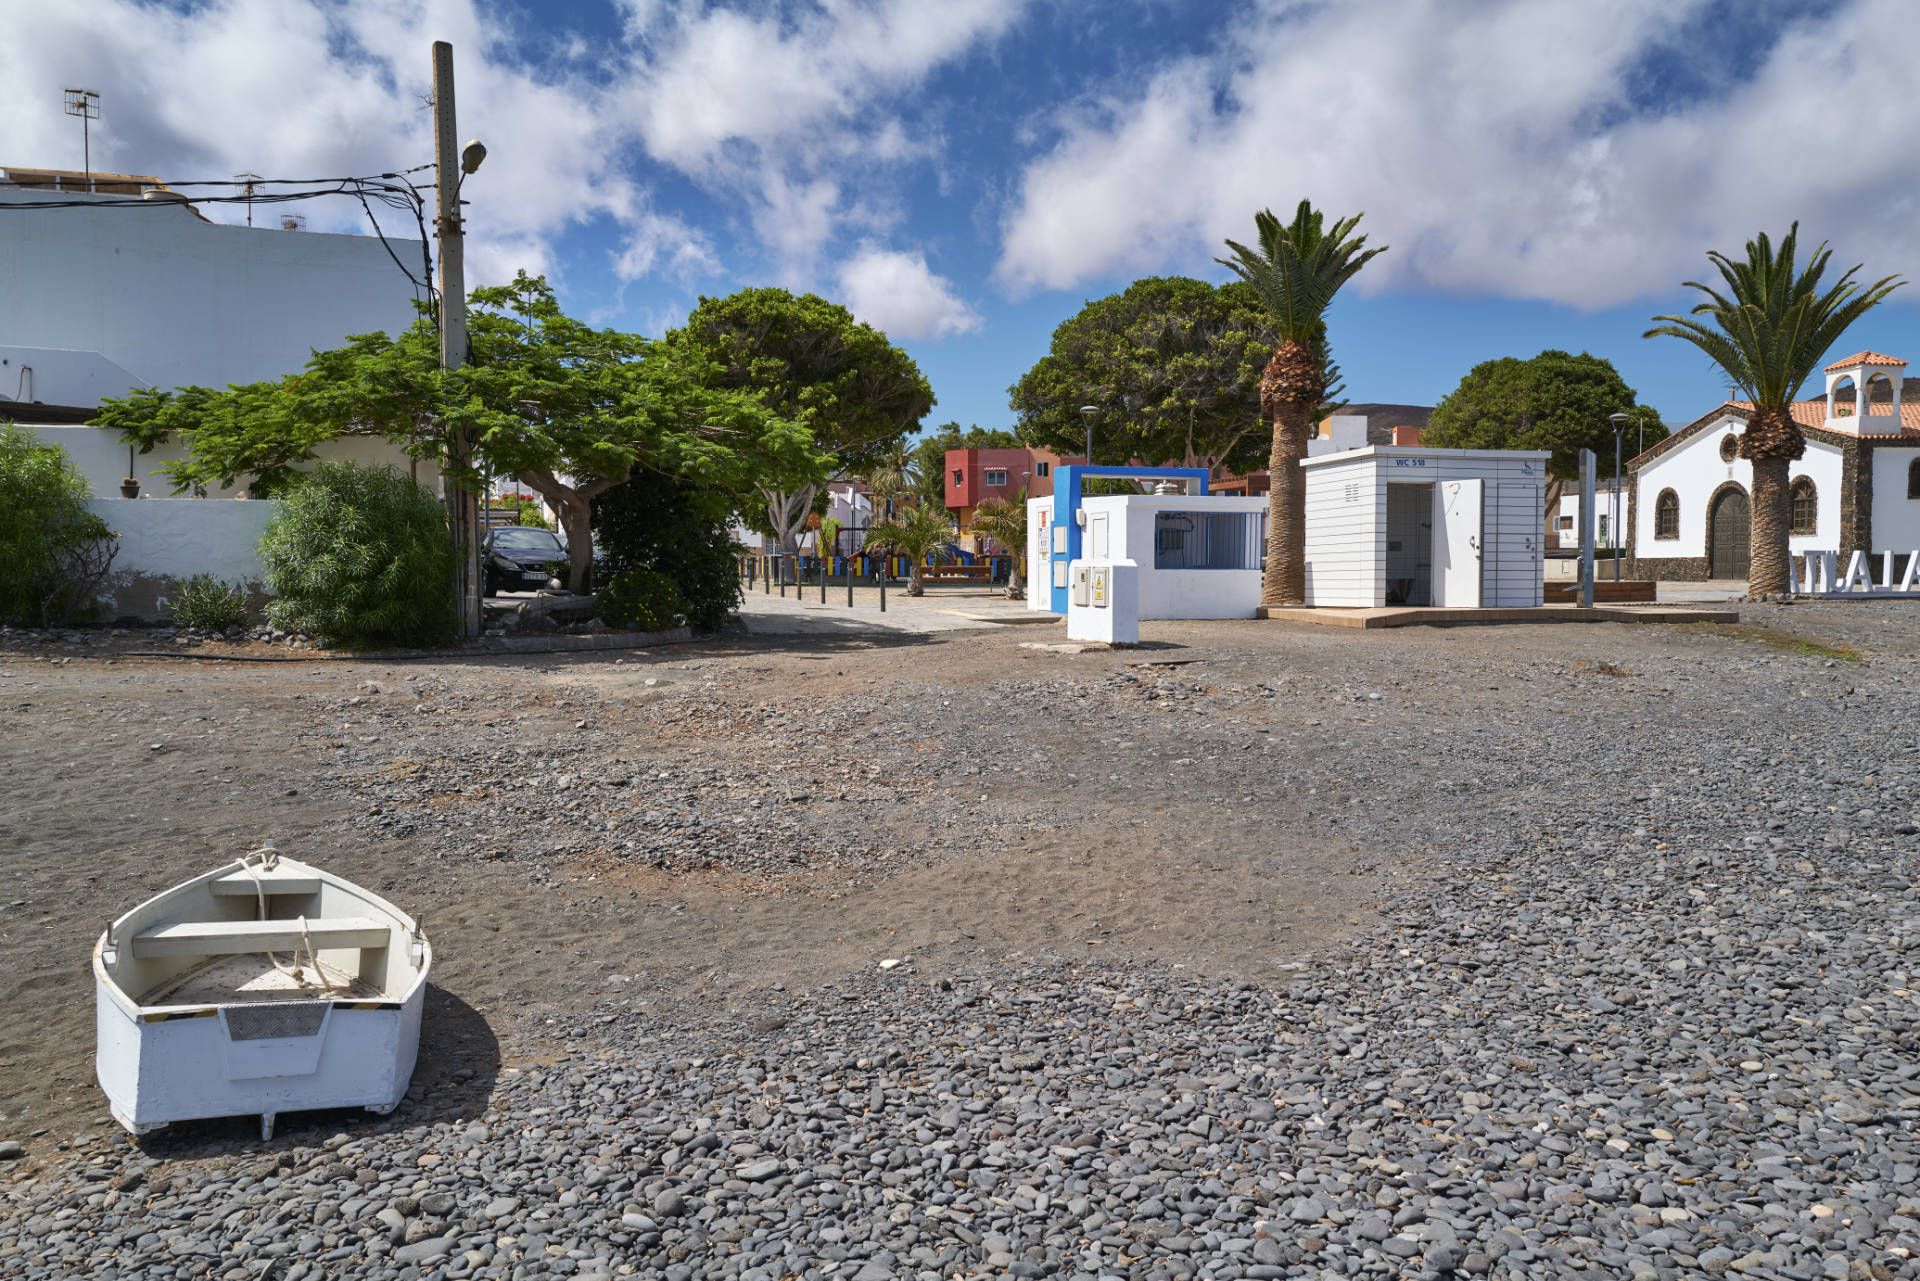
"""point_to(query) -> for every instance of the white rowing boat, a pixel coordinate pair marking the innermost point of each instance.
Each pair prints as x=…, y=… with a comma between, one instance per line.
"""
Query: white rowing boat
x=263, y=986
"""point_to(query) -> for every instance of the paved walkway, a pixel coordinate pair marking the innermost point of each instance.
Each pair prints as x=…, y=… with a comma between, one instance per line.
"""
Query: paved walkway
x=942, y=609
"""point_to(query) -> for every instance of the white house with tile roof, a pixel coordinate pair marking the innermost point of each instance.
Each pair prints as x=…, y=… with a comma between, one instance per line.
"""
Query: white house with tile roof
x=1856, y=488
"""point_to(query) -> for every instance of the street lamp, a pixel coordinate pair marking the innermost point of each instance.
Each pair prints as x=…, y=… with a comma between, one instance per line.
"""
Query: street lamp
x=1089, y=411
x=1619, y=422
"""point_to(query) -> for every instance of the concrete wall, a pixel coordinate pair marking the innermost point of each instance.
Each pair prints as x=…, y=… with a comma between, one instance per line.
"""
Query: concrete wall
x=102, y=459
x=1896, y=518
x=1694, y=470
x=1346, y=553
x=165, y=540
x=174, y=299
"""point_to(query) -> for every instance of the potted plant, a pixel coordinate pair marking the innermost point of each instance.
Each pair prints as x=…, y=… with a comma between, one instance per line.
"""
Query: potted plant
x=130, y=487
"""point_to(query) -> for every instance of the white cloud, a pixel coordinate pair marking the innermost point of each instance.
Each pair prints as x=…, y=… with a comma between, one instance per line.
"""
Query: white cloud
x=774, y=111
x=1495, y=147
x=899, y=294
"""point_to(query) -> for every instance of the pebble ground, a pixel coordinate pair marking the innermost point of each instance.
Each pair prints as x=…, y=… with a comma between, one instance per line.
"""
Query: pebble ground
x=1634, y=997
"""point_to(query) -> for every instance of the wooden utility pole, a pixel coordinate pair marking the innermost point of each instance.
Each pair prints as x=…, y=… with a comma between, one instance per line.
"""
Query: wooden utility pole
x=462, y=504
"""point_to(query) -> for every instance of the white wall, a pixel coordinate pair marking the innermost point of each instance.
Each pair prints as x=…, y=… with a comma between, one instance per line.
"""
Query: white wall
x=174, y=300
x=102, y=458
x=1347, y=520
x=165, y=540
x=1896, y=518
x=1695, y=469
x=1174, y=593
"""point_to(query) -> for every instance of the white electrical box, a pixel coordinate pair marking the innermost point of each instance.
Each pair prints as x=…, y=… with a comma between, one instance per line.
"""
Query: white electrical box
x=1059, y=573
x=1096, y=586
x=1059, y=540
x=1080, y=588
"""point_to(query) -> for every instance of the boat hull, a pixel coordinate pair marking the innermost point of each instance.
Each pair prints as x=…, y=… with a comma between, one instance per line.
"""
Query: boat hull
x=161, y=1067
x=237, y=1032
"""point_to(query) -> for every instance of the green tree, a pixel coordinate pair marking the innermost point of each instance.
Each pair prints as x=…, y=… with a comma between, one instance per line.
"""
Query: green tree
x=1295, y=273
x=54, y=551
x=360, y=556
x=1174, y=365
x=917, y=533
x=809, y=363
x=1555, y=401
x=930, y=456
x=1768, y=332
x=567, y=410
x=676, y=528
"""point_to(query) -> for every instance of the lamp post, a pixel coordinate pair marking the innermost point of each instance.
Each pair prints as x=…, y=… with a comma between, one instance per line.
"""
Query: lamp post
x=450, y=169
x=1619, y=422
x=1089, y=412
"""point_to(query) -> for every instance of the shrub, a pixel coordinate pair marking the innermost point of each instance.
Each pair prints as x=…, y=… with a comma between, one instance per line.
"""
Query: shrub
x=207, y=603
x=675, y=528
x=55, y=554
x=361, y=556
x=639, y=600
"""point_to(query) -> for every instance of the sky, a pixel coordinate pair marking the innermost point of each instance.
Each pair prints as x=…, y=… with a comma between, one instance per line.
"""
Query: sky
x=966, y=174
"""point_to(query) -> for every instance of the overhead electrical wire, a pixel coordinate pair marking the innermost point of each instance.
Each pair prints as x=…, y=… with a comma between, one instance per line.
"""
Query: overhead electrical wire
x=393, y=190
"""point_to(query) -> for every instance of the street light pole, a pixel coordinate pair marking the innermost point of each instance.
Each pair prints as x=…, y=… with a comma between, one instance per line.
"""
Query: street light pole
x=1089, y=412
x=450, y=164
x=1619, y=422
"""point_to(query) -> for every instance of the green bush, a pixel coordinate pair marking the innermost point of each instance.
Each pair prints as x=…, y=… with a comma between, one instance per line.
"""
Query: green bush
x=54, y=553
x=207, y=603
x=361, y=556
x=676, y=528
x=639, y=600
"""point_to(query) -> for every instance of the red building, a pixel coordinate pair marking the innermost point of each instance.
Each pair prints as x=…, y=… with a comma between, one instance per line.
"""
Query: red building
x=975, y=475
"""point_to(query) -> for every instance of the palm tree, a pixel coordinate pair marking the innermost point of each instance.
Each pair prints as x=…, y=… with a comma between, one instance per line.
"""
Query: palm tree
x=1295, y=273
x=1770, y=329
x=1004, y=520
x=917, y=534
x=891, y=479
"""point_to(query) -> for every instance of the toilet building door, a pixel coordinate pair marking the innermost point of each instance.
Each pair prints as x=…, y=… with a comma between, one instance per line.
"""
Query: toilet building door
x=1459, y=536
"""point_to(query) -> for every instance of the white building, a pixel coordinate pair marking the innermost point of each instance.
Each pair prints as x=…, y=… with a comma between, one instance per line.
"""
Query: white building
x=100, y=299
x=1610, y=515
x=1418, y=526
x=103, y=297
x=1857, y=488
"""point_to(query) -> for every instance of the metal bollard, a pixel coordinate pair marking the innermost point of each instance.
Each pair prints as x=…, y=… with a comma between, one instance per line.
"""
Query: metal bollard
x=823, y=580
x=849, y=582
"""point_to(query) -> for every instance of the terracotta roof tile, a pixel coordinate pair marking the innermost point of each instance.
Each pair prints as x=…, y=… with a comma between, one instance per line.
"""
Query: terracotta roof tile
x=1864, y=358
x=1813, y=413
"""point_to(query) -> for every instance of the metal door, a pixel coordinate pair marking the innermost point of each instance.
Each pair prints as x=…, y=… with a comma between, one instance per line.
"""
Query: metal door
x=1730, y=536
x=1457, y=528
x=1097, y=536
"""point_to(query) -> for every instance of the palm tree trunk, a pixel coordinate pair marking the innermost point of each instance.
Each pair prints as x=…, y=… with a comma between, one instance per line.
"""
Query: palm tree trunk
x=1771, y=567
x=1290, y=389
x=1771, y=441
x=1015, y=588
x=915, y=582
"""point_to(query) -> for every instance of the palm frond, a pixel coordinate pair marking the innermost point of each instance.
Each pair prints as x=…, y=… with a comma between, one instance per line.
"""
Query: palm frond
x=1771, y=326
x=1299, y=266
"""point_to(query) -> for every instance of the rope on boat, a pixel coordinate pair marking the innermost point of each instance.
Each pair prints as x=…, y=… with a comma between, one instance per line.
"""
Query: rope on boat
x=269, y=858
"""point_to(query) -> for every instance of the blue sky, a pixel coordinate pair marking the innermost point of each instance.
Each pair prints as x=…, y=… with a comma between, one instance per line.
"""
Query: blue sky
x=967, y=173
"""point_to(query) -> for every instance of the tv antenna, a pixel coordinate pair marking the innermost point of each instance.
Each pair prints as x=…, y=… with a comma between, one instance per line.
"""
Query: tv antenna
x=249, y=179
x=85, y=103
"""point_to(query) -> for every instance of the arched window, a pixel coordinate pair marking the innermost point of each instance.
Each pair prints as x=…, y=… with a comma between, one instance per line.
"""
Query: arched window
x=1913, y=479
x=1666, y=515
x=1806, y=505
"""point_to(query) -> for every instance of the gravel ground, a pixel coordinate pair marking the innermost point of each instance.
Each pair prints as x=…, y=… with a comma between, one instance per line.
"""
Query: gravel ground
x=1521, y=952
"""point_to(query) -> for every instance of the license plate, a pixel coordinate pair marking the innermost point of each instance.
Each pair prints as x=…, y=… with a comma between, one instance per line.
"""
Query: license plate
x=533, y=574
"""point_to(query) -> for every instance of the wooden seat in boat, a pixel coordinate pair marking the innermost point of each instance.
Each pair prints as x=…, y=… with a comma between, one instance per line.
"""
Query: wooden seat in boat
x=220, y=938
x=273, y=881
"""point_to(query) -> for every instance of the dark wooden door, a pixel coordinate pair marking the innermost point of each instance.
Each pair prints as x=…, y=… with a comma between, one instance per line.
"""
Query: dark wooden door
x=1730, y=536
